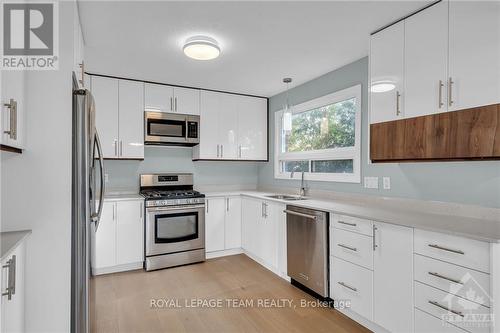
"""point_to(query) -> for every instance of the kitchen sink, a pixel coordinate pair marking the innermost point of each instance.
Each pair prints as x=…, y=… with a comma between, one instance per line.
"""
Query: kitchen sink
x=286, y=197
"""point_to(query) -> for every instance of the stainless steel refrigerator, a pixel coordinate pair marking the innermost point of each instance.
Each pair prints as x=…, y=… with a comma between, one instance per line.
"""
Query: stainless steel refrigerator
x=87, y=201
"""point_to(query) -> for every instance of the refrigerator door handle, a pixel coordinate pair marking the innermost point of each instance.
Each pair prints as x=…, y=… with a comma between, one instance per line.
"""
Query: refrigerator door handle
x=96, y=216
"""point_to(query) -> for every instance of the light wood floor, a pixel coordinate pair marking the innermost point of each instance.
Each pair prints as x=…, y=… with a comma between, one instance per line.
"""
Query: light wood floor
x=123, y=301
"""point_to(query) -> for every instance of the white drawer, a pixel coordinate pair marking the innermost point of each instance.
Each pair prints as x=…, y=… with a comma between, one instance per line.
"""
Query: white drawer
x=354, y=224
x=425, y=323
x=457, y=250
x=435, y=302
x=352, y=247
x=352, y=283
x=441, y=275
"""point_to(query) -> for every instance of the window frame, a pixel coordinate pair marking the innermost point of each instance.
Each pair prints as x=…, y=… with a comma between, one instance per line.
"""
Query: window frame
x=342, y=153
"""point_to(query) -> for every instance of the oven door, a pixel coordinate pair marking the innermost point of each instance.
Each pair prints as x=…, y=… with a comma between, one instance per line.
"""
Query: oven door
x=174, y=229
x=163, y=128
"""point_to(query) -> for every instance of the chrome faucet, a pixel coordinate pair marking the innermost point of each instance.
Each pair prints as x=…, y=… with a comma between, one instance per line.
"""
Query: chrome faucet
x=302, y=189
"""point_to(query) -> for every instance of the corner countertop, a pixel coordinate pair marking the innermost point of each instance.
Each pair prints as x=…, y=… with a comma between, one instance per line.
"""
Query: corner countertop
x=482, y=229
x=10, y=240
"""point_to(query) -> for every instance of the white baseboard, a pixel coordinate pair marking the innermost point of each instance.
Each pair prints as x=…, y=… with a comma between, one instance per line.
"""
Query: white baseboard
x=362, y=321
x=223, y=253
x=117, y=268
x=275, y=270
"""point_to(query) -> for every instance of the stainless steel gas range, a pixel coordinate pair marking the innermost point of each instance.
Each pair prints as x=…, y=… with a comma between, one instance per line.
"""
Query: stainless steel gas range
x=175, y=220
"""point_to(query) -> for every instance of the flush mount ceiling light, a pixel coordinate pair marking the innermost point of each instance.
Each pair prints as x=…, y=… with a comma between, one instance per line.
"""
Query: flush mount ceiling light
x=201, y=48
x=382, y=86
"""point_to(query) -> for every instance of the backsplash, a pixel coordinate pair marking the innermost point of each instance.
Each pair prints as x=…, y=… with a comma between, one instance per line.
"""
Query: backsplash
x=124, y=175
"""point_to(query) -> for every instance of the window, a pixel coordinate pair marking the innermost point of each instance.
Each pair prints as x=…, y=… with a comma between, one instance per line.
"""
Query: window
x=324, y=139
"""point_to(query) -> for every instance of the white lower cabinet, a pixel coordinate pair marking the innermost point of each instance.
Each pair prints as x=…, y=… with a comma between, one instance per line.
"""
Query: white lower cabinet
x=117, y=244
x=12, y=310
x=222, y=223
x=425, y=323
x=354, y=283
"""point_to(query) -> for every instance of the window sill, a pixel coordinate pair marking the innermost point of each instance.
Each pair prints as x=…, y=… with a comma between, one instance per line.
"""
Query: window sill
x=337, y=178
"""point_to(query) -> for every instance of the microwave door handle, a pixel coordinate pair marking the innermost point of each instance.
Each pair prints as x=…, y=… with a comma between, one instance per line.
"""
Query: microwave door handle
x=96, y=217
x=187, y=129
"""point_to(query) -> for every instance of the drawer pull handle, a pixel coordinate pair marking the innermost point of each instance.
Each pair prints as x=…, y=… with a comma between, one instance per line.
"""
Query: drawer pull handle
x=445, y=277
x=446, y=249
x=347, y=286
x=347, y=223
x=348, y=247
x=458, y=313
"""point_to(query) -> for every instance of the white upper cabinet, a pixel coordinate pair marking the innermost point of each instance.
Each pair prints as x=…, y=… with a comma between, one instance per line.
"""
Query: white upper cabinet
x=119, y=117
x=131, y=110
x=393, y=277
x=426, y=56
x=163, y=98
x=187, y=101
x=252, y=128
x=386, y=74
x=233, y=127
x=158, y=97
x=105, y=92
x=474, y=54
x=13, y=108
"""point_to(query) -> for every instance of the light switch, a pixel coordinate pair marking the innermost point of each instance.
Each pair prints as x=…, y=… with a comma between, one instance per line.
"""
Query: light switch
x=387, y=183
x=371, y=182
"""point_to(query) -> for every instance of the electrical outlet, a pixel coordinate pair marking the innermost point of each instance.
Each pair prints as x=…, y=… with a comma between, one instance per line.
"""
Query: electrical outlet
x=387, y=183
x=106, y=178
x=371, y=182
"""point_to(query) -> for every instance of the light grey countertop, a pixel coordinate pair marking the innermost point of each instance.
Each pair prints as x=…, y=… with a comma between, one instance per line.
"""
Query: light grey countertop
x=392, y=211
x=122, y=196
x=10, y=240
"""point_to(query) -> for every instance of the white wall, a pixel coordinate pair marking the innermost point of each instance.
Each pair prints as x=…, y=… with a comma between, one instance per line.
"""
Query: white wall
x=36, y=188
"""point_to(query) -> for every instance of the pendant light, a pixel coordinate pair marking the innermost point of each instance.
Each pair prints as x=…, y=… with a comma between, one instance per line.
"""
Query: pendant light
x=287, y=108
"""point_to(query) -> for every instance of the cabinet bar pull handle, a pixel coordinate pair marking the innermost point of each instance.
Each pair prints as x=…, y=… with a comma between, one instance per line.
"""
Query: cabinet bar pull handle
x=115, y=143
x=348, y=223
x=398, y=110
x=12, y=106
x=175, y=103
x=446, y=249
x=450, y=84
x=440, y=94
x=171, y=104
x=221, y=150
x=121, y=148
x=239, y=152
x=208, y=202
x=227, y=204
x=217, y=150
x=445, y=277
x=11, y=283
x=458, y=313
x=348, y=247
x=347, y=286
x=374, y=241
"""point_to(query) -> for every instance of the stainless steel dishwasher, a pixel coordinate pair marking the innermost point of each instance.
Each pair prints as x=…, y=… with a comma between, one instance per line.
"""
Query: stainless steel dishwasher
x=307, y=248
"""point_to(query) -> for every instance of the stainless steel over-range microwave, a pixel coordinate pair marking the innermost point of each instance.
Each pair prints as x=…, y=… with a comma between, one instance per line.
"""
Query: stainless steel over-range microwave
x=171, y=129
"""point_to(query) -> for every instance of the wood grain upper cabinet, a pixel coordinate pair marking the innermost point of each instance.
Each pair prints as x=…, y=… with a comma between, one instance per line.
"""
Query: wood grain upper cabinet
x=426, y=49
x=474, y=53
x=252, y=128
x=386, y=69
x=131, y=111
x=105, y=92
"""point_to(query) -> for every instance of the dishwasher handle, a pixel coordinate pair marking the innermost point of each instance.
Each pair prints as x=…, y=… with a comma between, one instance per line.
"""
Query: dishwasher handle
x=291, y=212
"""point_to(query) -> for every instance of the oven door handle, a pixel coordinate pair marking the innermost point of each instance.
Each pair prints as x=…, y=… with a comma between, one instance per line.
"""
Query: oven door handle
x=169, y=208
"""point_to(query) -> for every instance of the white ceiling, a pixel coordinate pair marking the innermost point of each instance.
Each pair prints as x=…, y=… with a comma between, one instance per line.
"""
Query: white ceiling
x=261, y=42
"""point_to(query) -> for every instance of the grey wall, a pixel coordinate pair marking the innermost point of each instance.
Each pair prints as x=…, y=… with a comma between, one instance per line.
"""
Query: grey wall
x=125, y=174
x=463, y=182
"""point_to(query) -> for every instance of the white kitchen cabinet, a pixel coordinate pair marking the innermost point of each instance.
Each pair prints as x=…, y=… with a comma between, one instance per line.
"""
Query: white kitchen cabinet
x=251, y=214
x=214, y=224
x=12, y=116
x=393, y=277
x=233, y=127
x=12, y=311
x=158, y=97
x=163, y=98
x=131, y=118
x=426, y=59
x=119, y=117
x=105, y=238
x=129, y=232
x=474, y=53
x=252, y=128
x=386, y=68
x=105, y=92
x=117, y=245
x=187, y=101
x=232, y=222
